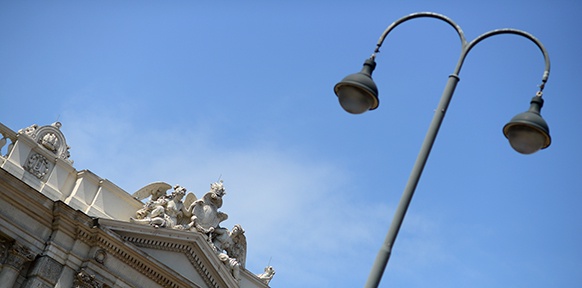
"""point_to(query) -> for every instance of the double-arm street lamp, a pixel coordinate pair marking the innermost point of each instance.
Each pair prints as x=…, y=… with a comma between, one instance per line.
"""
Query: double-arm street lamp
x=527, y=132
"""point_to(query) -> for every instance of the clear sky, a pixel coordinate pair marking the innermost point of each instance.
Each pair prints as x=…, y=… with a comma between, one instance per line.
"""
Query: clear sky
x=189, y=91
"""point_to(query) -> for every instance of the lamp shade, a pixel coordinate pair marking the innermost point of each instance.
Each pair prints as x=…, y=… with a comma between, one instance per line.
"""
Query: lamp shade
x=357, y=93
x=528, y=132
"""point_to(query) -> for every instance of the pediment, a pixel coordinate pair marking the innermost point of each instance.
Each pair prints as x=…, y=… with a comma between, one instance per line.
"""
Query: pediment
x=184, y=254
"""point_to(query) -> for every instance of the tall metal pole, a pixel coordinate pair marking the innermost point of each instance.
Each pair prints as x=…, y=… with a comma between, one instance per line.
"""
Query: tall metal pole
x=383, y=256
x=386, y=249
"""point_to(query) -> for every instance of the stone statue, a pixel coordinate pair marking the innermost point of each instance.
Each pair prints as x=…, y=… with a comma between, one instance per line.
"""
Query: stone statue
x=28, y=130
x=156, y=192
x=232, y=264
x=50, y=142
x=162, y=210
x=175, y=209
x=234, y=242
x=205, y=214
x=267, y=275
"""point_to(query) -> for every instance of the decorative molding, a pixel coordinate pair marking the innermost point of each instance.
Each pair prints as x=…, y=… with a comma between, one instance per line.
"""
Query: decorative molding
x=185, y=249
x=94, y=238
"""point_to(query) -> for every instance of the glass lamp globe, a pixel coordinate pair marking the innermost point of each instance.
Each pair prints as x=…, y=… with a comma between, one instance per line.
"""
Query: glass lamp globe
x=528, y=132
x=357, y=93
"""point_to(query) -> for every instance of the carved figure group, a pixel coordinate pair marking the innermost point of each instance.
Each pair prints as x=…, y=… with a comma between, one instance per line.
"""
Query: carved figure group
x=182, y=211
x=161, y=210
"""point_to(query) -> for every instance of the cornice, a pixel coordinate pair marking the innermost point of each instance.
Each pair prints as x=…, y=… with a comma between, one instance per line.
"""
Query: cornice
x=117, y=248
x=122, y=240
x=187, y=250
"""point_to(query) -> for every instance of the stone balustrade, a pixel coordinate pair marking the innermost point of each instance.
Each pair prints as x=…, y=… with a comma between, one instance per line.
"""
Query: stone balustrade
x=7, y=139
x=39, y=156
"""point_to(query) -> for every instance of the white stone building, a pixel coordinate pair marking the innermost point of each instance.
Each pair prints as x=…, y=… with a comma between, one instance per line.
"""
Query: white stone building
x=60, y=227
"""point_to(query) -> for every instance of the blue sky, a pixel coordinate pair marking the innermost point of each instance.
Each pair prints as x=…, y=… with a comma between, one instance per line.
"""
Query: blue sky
x=190, y=91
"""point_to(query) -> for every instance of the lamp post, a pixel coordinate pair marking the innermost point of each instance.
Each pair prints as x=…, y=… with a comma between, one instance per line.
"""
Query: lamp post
x=527, y=132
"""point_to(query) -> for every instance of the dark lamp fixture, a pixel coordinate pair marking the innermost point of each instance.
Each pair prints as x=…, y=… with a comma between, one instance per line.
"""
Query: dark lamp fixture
x=528, y=132
x=357, y=93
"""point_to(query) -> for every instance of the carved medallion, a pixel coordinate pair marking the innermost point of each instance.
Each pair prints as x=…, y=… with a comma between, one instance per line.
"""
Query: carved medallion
x=38, y=165
x=100, y=256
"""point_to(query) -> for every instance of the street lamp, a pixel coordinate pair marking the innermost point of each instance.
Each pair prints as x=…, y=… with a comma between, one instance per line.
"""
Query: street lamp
x=357, y=93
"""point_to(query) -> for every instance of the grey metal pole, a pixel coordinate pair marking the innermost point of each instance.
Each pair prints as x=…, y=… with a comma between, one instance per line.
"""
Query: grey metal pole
x=383, y=256
x=386, y=249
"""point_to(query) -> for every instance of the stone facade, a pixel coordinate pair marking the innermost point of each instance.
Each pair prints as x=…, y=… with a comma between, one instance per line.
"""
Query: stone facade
x=60, y=227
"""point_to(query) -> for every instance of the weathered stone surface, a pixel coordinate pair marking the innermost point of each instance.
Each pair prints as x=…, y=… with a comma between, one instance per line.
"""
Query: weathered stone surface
x=46, y=269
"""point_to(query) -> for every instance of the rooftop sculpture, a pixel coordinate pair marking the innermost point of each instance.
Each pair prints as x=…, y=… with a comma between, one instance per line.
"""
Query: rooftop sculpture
x=267, y=275
x=51, y=137
x=181, y=210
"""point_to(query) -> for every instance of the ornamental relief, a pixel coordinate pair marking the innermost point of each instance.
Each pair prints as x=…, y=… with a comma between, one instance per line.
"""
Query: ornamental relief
x=37, y=165
x=50, y=141
x=86, y=280
x=50, y=137
x=100, y=256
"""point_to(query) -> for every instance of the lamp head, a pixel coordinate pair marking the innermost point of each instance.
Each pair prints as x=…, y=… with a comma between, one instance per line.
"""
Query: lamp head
x=528, y=132
x=357, y=93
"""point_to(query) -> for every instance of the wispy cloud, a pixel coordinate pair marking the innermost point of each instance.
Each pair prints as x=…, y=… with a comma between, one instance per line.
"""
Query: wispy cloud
x=305, y=213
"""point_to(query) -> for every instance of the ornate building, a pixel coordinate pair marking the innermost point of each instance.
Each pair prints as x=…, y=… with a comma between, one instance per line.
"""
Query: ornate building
x=60, y=227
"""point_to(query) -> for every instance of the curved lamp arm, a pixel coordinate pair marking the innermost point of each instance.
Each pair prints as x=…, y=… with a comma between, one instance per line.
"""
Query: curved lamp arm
x=486, y=35
x=419, y=15
x=466, y=46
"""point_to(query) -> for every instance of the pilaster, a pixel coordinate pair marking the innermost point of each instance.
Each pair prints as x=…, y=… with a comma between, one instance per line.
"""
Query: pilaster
x=18, y=255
